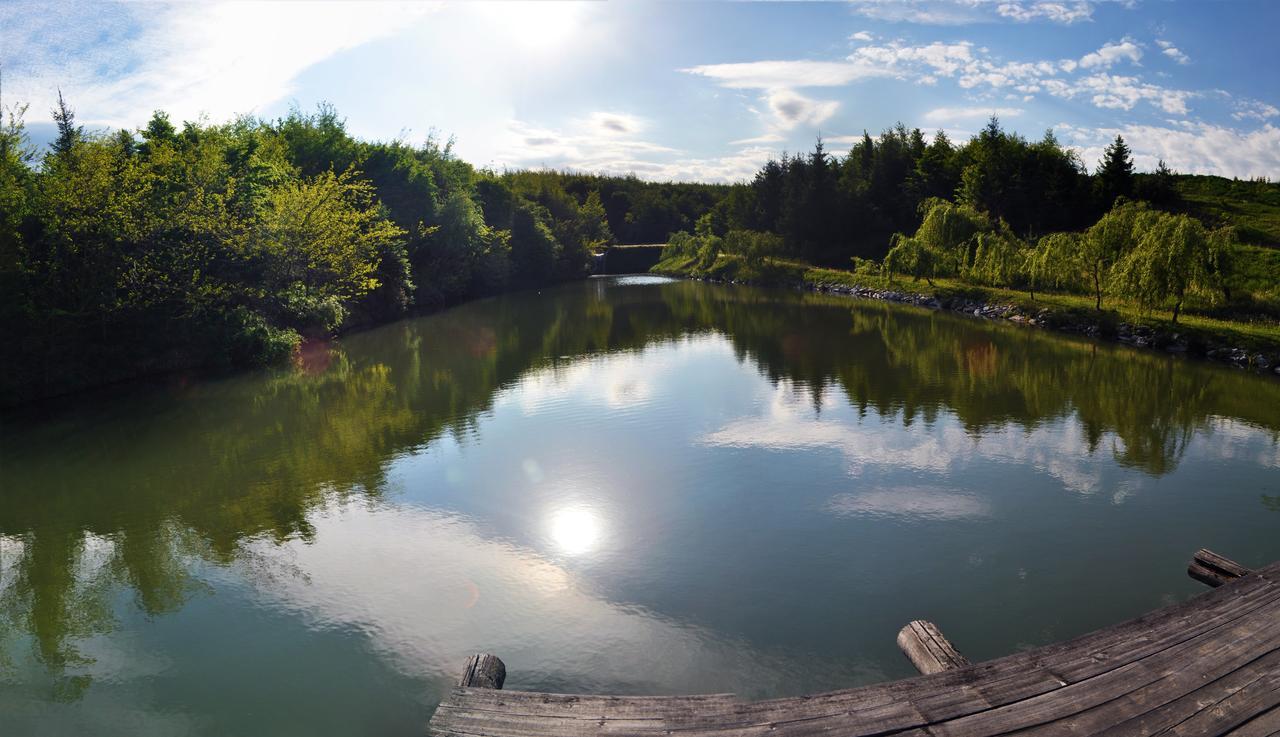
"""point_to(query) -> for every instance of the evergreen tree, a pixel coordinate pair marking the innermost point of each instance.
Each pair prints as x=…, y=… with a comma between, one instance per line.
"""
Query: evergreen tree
x=69, y=134
x=1115, y=173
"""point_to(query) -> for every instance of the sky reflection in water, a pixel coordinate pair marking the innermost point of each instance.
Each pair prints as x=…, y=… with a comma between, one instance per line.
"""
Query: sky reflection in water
x=628, y=486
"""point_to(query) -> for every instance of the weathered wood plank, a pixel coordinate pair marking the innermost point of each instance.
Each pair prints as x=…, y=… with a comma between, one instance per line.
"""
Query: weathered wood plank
x=1158, y=717
x=1114, y=690
x=483, y=671
x=928, y=649
x=1212, y=569
x=1210, y=665
x=1266, y=724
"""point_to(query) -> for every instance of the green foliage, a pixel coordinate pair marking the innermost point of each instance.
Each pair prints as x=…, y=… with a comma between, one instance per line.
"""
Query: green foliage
x=1000, y=258
x=753, y=247
x=1115, y=177
x=167, y=247
x=1171, y=256
x=910, y=256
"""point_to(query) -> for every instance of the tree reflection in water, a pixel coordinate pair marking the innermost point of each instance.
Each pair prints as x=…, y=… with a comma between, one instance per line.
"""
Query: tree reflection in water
x=126, y=495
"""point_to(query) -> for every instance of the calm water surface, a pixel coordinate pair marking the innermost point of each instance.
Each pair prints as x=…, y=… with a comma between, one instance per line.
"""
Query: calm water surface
x=625, y=485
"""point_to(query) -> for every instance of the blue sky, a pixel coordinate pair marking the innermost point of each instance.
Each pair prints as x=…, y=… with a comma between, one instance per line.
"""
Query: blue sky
x=702, y=91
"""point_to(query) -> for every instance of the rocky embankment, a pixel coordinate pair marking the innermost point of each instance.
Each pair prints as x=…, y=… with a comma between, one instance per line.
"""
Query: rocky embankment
x=1139, y=336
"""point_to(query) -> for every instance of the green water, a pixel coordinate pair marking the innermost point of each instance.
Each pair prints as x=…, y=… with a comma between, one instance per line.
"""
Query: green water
x=621, y=485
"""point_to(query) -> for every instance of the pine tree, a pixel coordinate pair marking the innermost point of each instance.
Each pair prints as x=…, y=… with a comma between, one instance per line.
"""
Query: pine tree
x=69, y=134
x=1115, y=173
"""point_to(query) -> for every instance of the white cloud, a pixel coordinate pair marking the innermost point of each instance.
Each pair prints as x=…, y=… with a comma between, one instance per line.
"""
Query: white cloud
x=1255, y=109
x=862, y=36
x=1058, y=12
x=959, y=12
x=117, y=63
x=945, y=59
x=932, y=12
x=764, y=138
x=609, y=143
x=615, y=124
x=1111, y=53
x=944, y=115
x=603, y=141
x=1173, y=52
x=763, y=75
x=1123, y=93
x=789, y=109
x=1191, y=148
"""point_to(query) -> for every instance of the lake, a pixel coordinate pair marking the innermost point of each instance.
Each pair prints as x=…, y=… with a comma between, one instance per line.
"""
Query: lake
x=627, y=485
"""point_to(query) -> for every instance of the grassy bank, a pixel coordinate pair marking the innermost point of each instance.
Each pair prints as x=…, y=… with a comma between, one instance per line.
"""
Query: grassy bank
x=1223, y=339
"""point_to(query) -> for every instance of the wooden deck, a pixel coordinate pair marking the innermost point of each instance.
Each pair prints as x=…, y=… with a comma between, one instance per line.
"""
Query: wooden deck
x=1207, y=666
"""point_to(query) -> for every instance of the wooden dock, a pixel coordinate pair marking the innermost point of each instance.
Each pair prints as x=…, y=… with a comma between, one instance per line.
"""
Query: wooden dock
x=1207, y=666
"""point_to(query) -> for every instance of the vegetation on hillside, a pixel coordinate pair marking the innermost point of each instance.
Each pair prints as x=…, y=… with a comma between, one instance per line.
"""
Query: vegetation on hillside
x=1001, y=211
x=203, y=245
x=169, y=246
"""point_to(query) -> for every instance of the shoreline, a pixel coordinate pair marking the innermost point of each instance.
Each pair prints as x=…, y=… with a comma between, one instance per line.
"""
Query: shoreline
x=1191, y=343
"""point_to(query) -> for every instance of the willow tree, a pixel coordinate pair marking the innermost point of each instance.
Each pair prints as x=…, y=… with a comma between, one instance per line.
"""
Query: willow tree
x=908, y=255
x=1172, y=256
x=1107, y=241
x=1000, y=257
x=1054, y=262
x=941, y=245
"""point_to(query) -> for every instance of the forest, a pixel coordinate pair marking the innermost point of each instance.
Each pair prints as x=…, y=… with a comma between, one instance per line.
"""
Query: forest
x=130, y=253
x=216, y=246
x=1000, y=211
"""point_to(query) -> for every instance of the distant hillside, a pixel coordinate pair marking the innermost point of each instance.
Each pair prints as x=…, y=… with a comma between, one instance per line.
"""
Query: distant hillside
x=1252, y=207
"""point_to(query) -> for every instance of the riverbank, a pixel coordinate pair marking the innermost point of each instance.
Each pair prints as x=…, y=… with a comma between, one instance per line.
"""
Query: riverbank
x=1248, y=345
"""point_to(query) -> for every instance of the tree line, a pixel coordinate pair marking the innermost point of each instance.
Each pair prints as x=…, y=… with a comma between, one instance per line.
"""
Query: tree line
x=174, y=246
x=998, y=210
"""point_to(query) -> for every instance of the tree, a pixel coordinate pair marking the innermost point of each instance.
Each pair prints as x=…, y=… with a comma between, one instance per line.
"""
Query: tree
x=1054, y=262
x=935, y=170
x=69, y=134
x=1000, y=257
x=908, y=255
x=751, y=245
x=1172, y=255
x=1115, y=173
x=1106, y=242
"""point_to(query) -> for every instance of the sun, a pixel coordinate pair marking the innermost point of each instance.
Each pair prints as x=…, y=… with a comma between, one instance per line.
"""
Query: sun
x=532, y=27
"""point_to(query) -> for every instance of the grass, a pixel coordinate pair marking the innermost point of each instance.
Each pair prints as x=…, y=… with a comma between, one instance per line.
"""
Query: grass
x=1253, y=335
x=1252, y=207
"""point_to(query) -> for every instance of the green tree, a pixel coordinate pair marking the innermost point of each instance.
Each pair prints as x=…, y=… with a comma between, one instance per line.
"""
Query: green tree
x=69, y=134
x=1115, y=173
x=1172, y=256
x=1106, y=242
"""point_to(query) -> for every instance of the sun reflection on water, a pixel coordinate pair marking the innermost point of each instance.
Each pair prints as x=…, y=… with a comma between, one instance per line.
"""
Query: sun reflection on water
x=576, y=530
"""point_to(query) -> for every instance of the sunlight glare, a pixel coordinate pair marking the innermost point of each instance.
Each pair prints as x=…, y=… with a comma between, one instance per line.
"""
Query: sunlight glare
x=532, y=26
x=575, y=530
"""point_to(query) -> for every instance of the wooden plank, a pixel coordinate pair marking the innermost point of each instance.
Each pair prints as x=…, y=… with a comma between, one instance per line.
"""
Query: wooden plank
x=483, y=671
x=1266, y=724
x=928, y=649
x=1217, y=669
x=1242, y=640
x=1212, y=569
x=1210, y=665
x=1236, y=710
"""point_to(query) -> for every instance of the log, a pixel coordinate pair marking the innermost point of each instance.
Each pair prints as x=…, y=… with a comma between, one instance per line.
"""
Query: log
x=483, y=671
x=1212, y=569
x=923, y=644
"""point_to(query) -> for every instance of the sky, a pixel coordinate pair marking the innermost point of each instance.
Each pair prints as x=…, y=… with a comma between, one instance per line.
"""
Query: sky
x=675, y=90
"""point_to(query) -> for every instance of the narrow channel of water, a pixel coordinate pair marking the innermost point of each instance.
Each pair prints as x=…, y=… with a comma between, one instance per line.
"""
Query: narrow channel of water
x=624, y=485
